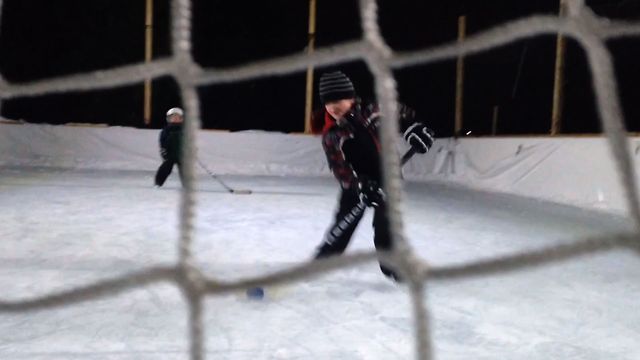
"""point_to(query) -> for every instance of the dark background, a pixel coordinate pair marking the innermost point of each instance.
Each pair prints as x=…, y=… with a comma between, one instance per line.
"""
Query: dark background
x=42, y=38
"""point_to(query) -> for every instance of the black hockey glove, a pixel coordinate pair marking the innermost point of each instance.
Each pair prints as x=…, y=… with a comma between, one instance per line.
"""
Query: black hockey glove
x=370, y=192
x=420, y=137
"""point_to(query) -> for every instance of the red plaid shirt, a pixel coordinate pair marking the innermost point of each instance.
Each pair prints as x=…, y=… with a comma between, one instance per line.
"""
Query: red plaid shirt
x=362, y=153
x=352, y=146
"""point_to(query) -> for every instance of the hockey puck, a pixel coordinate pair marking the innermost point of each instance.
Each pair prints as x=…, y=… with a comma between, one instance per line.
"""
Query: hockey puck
x=256, y=293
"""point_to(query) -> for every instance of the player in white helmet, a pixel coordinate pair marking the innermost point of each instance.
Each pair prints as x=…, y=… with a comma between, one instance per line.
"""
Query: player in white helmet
x=170, y=145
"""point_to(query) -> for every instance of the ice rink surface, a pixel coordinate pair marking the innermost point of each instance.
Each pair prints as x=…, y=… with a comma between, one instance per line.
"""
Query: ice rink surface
x=66, y=228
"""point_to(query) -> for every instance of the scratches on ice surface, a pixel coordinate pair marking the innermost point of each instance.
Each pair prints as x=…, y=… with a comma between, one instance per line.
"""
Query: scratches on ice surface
x=66, y=228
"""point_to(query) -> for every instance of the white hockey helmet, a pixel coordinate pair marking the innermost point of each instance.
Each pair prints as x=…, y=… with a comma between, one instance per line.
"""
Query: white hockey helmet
x=175, y=111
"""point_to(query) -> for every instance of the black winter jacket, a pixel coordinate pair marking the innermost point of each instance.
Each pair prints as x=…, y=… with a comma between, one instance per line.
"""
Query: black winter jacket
x=171, y=142
x=353, y=148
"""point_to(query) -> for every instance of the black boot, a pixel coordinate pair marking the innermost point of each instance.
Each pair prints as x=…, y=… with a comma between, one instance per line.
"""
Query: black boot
x=391, y=274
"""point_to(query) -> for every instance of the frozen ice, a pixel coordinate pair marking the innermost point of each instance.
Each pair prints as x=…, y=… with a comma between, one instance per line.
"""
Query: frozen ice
x=62, y=228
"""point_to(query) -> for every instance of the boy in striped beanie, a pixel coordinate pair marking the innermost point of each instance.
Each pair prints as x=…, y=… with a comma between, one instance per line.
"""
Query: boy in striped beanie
x=351, y=144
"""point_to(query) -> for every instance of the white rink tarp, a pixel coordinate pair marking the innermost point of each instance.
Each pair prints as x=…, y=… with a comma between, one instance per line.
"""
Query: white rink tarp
x=577, y=171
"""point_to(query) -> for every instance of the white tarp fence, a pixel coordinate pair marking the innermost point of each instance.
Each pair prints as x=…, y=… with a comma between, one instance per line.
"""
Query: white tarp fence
x=577, y=171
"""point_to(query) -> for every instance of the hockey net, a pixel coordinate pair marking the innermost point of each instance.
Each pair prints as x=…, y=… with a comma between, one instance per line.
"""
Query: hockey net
x=581, y=24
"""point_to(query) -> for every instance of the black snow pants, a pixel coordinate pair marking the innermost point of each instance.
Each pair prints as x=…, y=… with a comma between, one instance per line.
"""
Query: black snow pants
x=334, y=245
x=165, y=170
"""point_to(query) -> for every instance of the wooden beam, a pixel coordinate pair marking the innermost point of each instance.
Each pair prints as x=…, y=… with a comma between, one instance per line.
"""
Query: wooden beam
x=558, y=78
x=462, y=29
x=148, y=54
x=310, y=47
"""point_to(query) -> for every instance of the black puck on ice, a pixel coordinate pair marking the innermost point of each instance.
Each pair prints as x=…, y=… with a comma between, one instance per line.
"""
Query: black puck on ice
x=256, y=293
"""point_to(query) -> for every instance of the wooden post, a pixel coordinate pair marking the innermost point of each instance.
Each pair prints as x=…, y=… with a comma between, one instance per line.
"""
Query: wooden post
x=494, y=123
x=312, y=39
x=462, y=29
x=558, y=82
x=148, y=52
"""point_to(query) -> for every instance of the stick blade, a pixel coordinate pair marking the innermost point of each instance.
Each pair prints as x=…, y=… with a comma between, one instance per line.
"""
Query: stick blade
x=241, y=191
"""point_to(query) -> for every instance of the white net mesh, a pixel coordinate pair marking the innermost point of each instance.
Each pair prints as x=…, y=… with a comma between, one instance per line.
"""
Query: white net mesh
x=581, y=24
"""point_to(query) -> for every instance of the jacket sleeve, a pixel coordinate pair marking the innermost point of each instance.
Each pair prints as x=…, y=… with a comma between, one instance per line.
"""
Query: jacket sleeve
x=334, y=143
x=162, y=140
x=406, y=116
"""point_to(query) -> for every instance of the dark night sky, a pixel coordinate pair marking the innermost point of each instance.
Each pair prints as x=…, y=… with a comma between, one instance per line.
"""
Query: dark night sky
x=44, y=38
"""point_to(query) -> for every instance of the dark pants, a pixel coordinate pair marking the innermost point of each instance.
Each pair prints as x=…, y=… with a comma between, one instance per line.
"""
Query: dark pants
x=165, y=169
x=334, y=245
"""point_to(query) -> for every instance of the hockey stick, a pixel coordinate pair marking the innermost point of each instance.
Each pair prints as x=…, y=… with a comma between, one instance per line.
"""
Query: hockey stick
x=227, y=187
x=357, y=210
x=407, y=156
x=258, y=292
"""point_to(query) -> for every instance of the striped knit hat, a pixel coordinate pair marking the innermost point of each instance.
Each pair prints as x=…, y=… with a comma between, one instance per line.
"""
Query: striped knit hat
x=335, y=86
